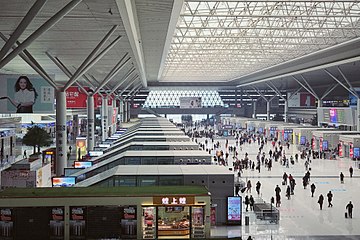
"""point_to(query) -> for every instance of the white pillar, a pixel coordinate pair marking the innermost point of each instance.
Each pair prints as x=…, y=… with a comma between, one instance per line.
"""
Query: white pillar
x=61, y=146
x=268, y=111
x=91, y=123
x=113, y=126
x=319, y=105
x=104, y=118
x=128, y=111
x=358, y=114
x=121, y=111
x=75, y=129
x=125, y=110
x=254, y=109
x=286, y=111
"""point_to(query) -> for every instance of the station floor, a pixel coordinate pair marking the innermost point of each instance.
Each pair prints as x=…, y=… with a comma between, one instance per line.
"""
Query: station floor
x=300, y=217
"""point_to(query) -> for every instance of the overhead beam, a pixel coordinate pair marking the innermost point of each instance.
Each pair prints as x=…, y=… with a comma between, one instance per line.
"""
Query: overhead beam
x=90, y=59
x=113, y=72
x=175, y=13
x=34, y=65
x=306, y=88
x=42, y=29
x=125, y=78
x=129, y=18
x=30, y=15
x=342, y=84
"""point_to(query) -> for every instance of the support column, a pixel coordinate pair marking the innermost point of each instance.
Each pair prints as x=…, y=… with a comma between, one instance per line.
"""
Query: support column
x=125, y=110
x=91, y=123
x=61, y=146
x=268, y=110
x=121, y=111
x=75, y=129
x=319, y=105
x=236, y=98
x=128, y=111
x=358, y=114
x=104, y=118
x=254, y=109
x=113, y=126
x=286, y=111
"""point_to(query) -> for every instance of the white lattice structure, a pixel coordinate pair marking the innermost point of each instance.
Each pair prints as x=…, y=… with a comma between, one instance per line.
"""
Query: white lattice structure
x=170, y=98
x=223, y=40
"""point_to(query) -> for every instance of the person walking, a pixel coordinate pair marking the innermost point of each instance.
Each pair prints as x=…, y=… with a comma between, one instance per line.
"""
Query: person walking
x=330, y=197
x=247, y=202
x=248, y=186
x=349, y=208
x=351, y=170
x=312, y=188
x=321, y=201
x=258, y=186
x=24, y=156
x=341, y=177
x=252, y=202
x=288, y=192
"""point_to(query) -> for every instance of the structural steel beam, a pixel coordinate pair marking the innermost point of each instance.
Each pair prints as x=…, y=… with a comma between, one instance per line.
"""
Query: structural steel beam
x=42, y=29
x=30, y=15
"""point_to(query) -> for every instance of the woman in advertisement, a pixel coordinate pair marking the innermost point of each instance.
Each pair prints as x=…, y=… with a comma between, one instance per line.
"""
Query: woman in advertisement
x=24, y=97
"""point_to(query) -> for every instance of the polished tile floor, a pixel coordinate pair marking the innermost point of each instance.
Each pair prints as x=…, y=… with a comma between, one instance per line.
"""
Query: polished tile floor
x=300, y=217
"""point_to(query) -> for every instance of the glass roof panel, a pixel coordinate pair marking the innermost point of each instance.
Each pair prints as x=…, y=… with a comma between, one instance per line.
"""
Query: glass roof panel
x=219, y=41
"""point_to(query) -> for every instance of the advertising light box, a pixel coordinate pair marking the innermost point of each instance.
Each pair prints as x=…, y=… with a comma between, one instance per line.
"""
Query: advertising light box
x=95, y=153
x=234, y=210
x=82, y=164
x=63, y=181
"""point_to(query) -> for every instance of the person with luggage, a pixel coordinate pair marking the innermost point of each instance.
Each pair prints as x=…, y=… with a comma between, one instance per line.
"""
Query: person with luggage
x=285, y=177
x=341, y=177
x=321, y=201
x=330, y=197
x=312, y=189
x=292, y=185
x=351, y=170
x=349, y=208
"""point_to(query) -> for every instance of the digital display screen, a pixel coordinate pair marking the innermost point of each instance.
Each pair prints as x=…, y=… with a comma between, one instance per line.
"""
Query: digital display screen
x=63, y=181
x=82, y=164
x=325, y=145
x=333, y=115
x=95, y=153
x=356, y=152
x=302, y=140
x=234, y=209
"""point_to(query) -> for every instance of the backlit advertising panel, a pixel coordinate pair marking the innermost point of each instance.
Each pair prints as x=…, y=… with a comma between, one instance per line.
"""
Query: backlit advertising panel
x=82, y=164
x=25, y=94
x=63, y=181
x=234, y=210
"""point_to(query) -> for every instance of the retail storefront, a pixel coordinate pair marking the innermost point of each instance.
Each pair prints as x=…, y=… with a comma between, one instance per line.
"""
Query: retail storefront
x=105, y=213
x=174, y=217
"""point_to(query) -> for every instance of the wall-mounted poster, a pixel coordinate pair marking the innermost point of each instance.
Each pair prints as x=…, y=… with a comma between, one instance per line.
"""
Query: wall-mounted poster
x=25, y=94
x=190, y=102
x=234, y=210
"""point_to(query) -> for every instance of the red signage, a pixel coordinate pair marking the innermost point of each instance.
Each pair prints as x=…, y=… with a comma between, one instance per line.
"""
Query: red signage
x=351, y=151
x=321, y=144
x=76, y=98
x=340, y=149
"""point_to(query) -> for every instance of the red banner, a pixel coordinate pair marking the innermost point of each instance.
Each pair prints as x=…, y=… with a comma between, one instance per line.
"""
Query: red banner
x=76, y=98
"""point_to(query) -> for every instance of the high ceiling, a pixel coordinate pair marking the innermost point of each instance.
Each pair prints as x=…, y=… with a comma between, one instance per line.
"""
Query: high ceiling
x=225, y=44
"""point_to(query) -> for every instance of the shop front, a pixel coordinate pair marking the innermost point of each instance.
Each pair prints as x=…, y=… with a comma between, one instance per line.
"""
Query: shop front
x=174, y=217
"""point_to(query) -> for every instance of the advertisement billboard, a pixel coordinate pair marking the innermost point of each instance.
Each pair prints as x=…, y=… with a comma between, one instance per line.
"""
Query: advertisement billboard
x=234, y=210
x=81, y=149
x=82, y=164
x=301, y=100
x=190, y=102
x=63, y=181
x=25, y=94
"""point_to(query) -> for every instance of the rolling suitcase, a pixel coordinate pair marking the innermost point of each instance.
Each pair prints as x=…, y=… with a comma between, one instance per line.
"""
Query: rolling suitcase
x=346, y=215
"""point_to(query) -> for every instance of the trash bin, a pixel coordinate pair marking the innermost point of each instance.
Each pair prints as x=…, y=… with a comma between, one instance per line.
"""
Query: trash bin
x=247, y=220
